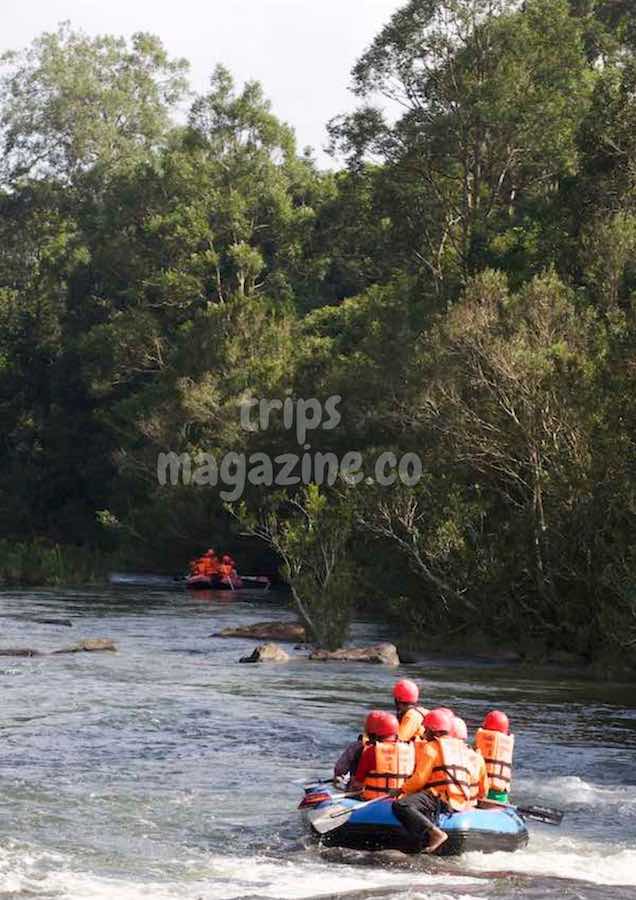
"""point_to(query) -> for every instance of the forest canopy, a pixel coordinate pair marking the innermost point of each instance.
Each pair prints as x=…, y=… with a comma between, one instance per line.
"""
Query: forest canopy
x=463, y=279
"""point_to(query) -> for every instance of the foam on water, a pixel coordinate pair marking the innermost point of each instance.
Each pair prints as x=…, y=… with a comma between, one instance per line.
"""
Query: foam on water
x=28, y=870
x=573, y=791
x=563, y=857
x=41, y=873
x=166, y=771
x=279, y=879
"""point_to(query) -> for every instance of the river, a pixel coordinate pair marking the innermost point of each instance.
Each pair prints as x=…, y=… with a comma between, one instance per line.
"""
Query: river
x=166, y=770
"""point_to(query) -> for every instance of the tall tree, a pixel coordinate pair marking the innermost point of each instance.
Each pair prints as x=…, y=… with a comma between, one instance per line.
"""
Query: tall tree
x=489, y=100
x=70, y=102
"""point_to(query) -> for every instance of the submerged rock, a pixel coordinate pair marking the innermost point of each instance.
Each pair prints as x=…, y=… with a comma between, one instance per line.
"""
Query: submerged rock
x=384, y=654
x=266, y=631
x=89, y=645
x=39, y=621
x=266, y=653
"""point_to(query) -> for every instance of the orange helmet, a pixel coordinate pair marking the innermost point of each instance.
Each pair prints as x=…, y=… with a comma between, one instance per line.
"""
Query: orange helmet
x=497, y=721
x=406, y=691
x=439, y=721
x=381, y=724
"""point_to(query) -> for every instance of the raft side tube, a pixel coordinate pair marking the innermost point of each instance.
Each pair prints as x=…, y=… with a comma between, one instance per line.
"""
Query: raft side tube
x=374, y=827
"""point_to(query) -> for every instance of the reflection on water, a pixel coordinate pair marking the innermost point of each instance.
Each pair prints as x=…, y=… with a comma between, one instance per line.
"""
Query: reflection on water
x=167, y=770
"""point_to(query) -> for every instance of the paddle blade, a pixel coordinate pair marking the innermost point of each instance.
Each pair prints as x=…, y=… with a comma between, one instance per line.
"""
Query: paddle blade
x=331, y=820
x=313, y=798
x=541, y=814
x=338, y=815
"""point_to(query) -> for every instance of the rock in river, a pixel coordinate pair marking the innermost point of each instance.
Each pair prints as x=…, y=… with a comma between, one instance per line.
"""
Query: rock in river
x=90, y=645
x=87, y=645
x=266, y=631
x=386, y=654
x=267, y=653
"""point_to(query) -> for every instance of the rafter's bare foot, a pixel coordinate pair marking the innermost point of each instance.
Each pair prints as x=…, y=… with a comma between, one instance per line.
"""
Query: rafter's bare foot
x=437, y=839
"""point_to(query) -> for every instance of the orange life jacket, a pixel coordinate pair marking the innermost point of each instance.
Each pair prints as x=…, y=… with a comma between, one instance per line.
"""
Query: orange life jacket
x=207, y=566
x=394, y=763
x=456, y=778
x=414, y=711
x=496, y=749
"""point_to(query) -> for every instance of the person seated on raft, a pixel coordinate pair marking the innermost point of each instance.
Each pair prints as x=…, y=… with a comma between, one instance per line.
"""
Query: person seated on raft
x=207, y=565
x=347, y=762
x=495, y=743
x=410, y=716
x=386, y=762
x=460, y=729
x=448, y=776
x=227, y=567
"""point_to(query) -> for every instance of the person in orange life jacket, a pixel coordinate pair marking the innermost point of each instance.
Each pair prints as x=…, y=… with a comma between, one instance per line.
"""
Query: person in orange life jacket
x=228, y=561
x=448, y=776
x=495, y=743
x=386, y=762
x=204, y=565
x=410, y=716
x=226, y=567
x=459, y=729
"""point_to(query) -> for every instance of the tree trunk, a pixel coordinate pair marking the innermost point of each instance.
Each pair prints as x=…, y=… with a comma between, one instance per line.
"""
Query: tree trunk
x=545, y=584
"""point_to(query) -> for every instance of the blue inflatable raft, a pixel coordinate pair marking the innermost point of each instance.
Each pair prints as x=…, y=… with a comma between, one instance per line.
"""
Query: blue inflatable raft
x=341, y=821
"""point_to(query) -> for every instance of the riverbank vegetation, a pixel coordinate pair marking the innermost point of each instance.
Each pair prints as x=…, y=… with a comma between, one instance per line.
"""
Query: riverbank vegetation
x=39, y=563
x=464, y=279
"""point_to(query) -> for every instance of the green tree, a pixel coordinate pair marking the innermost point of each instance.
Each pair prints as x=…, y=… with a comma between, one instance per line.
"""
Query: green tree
x=609, y=258
x=609, y=27
x=518, y=395
x=492, y=100
x=310, y=534
x=69, y=103
x=261, y=196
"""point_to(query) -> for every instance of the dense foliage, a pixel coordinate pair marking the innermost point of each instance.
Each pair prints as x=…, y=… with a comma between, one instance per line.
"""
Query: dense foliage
x=465, y=284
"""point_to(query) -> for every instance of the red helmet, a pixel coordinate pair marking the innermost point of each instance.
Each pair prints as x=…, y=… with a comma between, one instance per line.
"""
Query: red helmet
x=459, y=729
x=381, y=724
x=226, y=558
x=439, y=721
x=497, y=721
x=406, y=691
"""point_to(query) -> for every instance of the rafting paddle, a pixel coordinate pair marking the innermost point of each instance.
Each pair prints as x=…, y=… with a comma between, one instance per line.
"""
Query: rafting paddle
x=336, y=816
x=309, y=784
x=544, y=814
